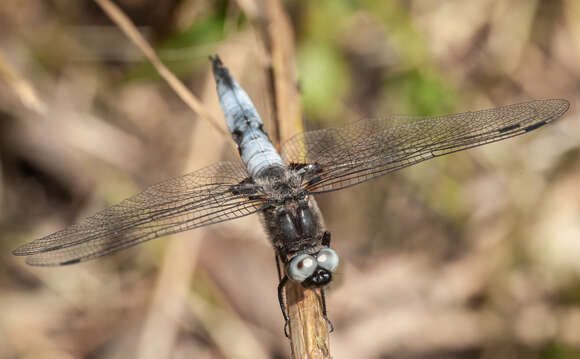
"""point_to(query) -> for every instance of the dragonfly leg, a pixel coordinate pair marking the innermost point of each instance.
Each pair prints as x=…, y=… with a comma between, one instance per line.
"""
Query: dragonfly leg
x=278, y=268
x=282, y=301
x=324, y=315
x=326, y=239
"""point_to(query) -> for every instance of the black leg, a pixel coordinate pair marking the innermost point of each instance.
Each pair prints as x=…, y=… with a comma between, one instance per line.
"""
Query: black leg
x=324, y=315
x=326, y=239
x=282, y=301
x=278, y=268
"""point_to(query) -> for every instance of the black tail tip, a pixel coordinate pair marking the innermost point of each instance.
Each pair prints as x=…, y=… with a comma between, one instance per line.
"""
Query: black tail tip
x=216, y=61
x=220, y=72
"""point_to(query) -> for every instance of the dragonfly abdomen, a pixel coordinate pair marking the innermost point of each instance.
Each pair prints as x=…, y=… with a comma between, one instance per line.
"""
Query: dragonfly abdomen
x=244, y=123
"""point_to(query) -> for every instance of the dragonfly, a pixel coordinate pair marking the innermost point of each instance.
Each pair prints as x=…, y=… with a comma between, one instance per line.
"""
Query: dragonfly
x=280, y=186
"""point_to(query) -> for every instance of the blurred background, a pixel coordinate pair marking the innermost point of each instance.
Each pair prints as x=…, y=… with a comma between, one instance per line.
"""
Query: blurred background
x=472, y=255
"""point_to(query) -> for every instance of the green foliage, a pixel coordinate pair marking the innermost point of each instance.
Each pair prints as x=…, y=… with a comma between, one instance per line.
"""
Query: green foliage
x=559, y=351
x=421, y=93
x=187, y=50
x=205, y=31
x=323, y=79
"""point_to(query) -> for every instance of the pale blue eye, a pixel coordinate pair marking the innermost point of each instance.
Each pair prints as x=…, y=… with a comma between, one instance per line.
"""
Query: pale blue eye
x=328, y=259
x=301, y=267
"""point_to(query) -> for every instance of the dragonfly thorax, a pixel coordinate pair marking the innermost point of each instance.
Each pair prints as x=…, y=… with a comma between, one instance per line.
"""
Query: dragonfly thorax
x=281, y=185
x=295, y=226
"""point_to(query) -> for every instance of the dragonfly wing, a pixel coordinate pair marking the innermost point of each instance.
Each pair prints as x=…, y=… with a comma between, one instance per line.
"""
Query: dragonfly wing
x=350, y=155
x=213, y=194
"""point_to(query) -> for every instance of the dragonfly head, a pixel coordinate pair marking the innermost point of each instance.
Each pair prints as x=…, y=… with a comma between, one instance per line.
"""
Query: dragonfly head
x=313, y=270
x=319, y=278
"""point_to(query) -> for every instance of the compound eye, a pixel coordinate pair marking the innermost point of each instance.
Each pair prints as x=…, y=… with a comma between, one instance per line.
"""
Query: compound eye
x=301, y=267
x=328, y=259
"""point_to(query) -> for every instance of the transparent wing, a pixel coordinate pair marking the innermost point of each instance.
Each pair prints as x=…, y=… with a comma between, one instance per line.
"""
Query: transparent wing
x=213, y=194
x=366, y=149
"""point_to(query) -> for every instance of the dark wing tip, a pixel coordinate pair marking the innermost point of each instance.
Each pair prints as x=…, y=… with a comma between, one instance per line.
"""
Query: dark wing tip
x=53, y=259
x=559, y=105
x=565, y=105
x=551, y=109
x=72, y=261
x=36, y=262
x=557, y=108
x=23, y=250
x=33, y=247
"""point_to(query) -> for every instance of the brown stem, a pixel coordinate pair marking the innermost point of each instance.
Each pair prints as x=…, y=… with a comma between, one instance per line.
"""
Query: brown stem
x=307, y=329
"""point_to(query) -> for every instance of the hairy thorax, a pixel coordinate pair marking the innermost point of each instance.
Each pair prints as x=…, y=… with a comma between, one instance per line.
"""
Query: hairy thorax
x=293, y=220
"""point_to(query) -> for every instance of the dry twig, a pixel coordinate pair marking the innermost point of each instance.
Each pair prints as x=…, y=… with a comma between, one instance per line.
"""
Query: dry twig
x=308, y=329
x=22, y=88
x=180, y=89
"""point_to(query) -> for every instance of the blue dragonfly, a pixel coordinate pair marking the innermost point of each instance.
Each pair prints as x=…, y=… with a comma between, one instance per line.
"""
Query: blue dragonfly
x=280, y=186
